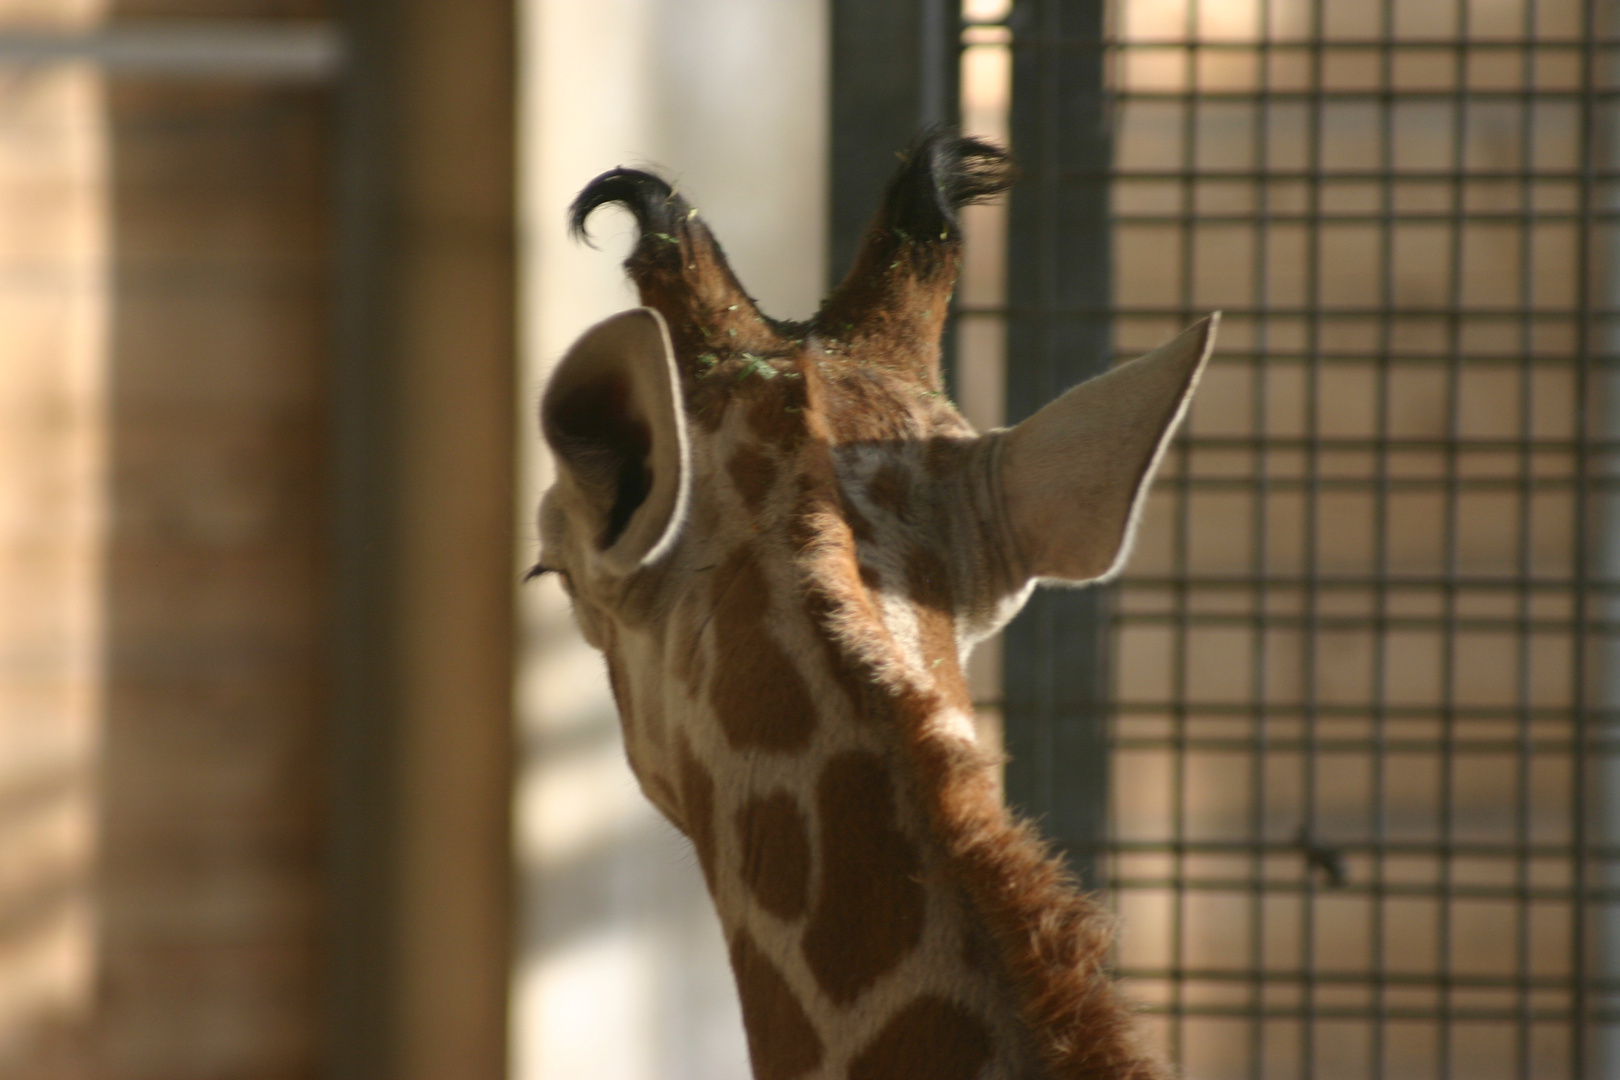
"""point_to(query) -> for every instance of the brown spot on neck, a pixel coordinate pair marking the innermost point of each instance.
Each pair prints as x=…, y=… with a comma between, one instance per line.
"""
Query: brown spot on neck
x=753, y=471
x=931, y=1037
x=890, y=489
x=758, y=694
x=869, y=909
x=774, y=841
x=869, y=404
x=782, y=1043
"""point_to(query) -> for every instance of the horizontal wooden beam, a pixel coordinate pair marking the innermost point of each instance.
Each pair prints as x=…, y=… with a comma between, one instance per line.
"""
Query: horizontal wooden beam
x=256, y=50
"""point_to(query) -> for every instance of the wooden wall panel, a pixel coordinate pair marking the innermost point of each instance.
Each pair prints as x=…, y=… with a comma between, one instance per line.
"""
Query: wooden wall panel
x=455, y=574
x=255, y=363
x=214, y=771
x=422, y=886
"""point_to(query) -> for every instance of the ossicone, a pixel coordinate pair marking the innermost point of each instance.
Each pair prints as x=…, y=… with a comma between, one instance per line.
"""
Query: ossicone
x=680, y=269
x=891, y=306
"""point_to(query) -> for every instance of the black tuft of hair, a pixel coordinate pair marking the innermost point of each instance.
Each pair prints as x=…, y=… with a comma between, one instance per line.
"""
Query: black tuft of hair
x=941, y=173
x=658, y=208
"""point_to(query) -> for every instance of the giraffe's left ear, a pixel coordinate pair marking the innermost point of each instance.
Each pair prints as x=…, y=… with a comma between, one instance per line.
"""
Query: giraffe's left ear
x=1075, y=475
x=612, y=415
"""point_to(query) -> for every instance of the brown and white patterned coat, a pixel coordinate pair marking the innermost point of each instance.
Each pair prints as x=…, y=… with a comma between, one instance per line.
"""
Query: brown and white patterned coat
x=785, y=540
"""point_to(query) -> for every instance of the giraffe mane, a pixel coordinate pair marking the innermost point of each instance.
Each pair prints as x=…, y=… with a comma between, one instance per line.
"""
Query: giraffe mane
x=1052, y=940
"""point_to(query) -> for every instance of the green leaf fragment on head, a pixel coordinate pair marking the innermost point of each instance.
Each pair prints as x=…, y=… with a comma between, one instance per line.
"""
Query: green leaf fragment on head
x=756, y=365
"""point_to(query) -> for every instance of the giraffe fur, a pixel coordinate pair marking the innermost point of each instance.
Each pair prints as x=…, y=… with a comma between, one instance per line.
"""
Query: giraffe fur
x=786, y=541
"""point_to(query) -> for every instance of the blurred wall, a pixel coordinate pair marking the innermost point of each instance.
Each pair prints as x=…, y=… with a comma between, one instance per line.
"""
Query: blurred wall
x=54, y=251
x=256, y=342
x=621, y=973
x=421, y=863
x=164, y=324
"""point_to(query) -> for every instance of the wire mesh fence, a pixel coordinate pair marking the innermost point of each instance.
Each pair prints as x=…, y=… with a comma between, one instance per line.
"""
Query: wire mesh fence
x=1361, y=694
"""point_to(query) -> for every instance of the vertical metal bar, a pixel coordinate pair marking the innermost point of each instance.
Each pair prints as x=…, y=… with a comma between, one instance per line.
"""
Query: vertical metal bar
x=896, y=70
x=1526, y=566
x=1605, y=724
x=1586, y=335
x=1379, y=688
x=1310, y=627
x=939, y=38
x=409, y=700
x=1054, y=672
x=1260, y=555
x=363, y=965
x=1450, y=543
x=1181, y=543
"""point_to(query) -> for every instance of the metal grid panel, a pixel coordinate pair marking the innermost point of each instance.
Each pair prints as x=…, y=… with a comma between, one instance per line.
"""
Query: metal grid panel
x=1362, y=719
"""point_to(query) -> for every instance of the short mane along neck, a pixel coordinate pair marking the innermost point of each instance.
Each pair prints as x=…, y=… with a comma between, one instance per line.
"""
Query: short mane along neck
x=785, y=542
x=886, y=916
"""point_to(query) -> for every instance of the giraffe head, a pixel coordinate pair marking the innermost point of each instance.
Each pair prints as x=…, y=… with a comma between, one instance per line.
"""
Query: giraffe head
x=675, y=425
x=785, y=540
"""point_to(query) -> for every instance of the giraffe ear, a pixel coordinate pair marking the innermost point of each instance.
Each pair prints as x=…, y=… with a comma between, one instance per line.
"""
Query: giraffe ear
x=1075, y=475
x=612, y=415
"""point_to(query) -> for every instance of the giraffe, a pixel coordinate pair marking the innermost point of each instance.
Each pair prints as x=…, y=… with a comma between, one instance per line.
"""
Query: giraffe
x=785, y=541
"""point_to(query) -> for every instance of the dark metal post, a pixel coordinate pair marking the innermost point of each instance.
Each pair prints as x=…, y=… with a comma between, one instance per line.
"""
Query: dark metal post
x=1055, y=682
x=362, y=969
x=422, y=403
x=895, y=70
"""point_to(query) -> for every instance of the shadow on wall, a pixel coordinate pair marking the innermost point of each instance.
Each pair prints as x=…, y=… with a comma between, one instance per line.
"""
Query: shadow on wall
x=161, y=554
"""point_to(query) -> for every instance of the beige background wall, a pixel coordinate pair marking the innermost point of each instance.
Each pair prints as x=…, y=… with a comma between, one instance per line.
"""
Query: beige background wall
x=53, y=332
x=169, y=352
x=164, y=324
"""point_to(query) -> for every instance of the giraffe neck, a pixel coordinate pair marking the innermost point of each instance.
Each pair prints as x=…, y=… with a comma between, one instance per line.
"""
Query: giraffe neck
x=886, y=917
x=856, y=951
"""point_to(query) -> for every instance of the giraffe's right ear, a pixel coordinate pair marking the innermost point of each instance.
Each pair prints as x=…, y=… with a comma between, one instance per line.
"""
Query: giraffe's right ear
x=1075, y=475
x=612, y=415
